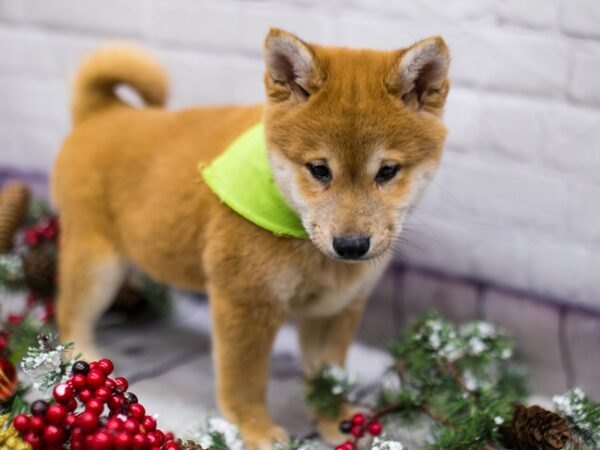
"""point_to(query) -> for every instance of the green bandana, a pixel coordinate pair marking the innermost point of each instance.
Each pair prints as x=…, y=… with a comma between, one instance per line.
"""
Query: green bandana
x=241, y=177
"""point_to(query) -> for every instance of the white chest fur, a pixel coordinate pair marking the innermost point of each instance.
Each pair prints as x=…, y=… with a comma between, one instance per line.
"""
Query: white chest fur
x=328, y=291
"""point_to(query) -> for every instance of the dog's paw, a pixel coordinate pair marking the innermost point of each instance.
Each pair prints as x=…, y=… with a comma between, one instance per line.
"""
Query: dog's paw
x=264, y=438
x=329, y=429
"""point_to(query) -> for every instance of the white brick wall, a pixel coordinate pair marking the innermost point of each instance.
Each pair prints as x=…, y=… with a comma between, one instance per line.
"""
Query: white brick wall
x=518, y=198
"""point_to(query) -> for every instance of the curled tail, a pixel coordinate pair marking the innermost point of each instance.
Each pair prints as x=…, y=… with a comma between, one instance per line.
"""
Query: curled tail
x=106, y=68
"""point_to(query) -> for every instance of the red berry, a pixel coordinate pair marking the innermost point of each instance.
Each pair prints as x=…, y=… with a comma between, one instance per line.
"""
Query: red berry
x=114, y=424
x=95, y=378
x=160, y=436
x=358, y=419
x=63, y=393
x=171, y=446
x=56, y=414
x=48, y=313
x=77, y=434
x=341, y=447
x=137, y=411
x=122, y=383
x=3, y=340
x=348, y=445
x=345, y=426
x=103, y=393
x=39, y=408
x=123, y=441
x=87, y=420
x=70, y=420
x=93, y=365
x=102, y=441
x=149, y=423
x=85, y=395
x=95, y=406
x=57, y=446
x=34, y=441
x=15, y=319
x=53, y=435
x=49, y=231
x=106, y=366
x=110, y=383
x=357, y=431
x=72, y=405
x=169, y=436
x=21, y=423
x=79, y=381
x=152, y=441
x=31, y=299
x=31, y=237
x=375, y=428
x=37, y=424
x=116, y=402
x=139, y=442
x=131, y=426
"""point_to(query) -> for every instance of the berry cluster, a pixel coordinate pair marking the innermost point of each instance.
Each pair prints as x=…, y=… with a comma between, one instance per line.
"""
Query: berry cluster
x=45, y=230
x=358, y=426
x=92, y=412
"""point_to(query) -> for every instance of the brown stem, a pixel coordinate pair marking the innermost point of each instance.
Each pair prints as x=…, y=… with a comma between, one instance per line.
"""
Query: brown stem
x=456, y=376
x=435, y=416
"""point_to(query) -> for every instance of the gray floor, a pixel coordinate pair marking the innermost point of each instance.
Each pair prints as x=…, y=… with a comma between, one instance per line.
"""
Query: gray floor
x=170, y=368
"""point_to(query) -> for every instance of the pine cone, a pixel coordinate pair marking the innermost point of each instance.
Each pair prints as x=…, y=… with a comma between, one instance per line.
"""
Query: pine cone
x=189, y=445
x=14, y=200
x=534, y=428
x=39, y=265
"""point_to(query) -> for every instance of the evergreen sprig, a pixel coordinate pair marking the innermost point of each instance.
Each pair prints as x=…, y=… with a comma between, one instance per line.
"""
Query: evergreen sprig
x=329, y=389
x=24, y=336
x=458, y=376
x=297, y=444
x=47, y=362
x=583, y=416
x=219, y=434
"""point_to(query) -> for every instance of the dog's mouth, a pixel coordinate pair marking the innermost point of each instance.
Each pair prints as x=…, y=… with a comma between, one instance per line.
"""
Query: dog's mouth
x=349, y=248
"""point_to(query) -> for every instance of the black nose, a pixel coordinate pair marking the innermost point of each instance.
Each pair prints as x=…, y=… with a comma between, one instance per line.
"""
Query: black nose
x=351, y=247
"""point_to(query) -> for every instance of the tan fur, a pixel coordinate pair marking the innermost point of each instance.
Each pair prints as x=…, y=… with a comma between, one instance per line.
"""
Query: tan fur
x=129, y=195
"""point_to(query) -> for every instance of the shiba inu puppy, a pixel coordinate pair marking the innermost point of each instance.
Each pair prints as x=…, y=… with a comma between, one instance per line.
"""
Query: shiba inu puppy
x=352, y=138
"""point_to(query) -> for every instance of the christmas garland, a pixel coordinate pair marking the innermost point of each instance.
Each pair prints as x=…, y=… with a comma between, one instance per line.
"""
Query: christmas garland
x=459, y=382
x=462, y=383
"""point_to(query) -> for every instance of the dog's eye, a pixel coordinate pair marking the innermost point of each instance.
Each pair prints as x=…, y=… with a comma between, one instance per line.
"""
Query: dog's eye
x=386, y=173
x=320, y=172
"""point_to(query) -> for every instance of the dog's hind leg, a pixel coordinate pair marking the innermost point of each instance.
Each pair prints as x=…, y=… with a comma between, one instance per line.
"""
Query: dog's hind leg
x=90, y=274
x=326, y=340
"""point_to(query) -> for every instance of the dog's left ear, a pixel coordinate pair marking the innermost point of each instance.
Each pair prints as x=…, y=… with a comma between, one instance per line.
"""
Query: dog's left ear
x=293, y=71
x=420, y=75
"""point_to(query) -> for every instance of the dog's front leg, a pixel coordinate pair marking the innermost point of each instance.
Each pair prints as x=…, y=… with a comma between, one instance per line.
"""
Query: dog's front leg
x=326, y=340
x=245, y=325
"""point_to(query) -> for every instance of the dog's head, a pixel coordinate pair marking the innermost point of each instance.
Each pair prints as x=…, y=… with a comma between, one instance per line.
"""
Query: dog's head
x=353, y=136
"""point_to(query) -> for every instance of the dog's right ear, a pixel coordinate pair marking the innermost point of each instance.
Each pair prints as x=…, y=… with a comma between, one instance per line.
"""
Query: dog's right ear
x=293, y=71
